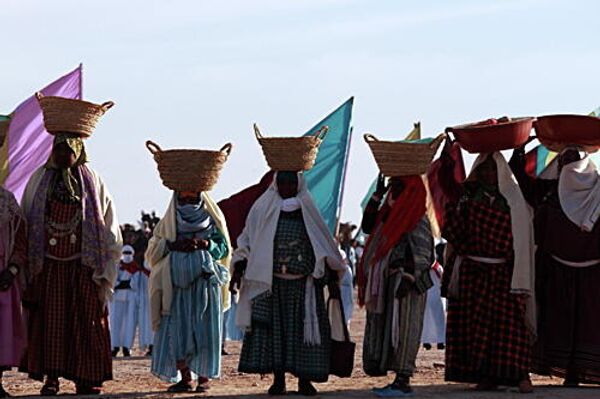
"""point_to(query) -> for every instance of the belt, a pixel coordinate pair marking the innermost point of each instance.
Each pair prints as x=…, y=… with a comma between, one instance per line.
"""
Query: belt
x=453, y=285
x=288, y=276
x=585, y=263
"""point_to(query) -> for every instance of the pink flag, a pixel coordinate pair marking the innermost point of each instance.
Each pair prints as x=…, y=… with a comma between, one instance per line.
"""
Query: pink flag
x=29, y=144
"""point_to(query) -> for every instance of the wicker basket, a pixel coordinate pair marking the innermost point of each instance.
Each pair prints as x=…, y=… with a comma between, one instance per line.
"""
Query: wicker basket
x=291, y=153
x=70, y=115
x=402, y=158
x=189, y=170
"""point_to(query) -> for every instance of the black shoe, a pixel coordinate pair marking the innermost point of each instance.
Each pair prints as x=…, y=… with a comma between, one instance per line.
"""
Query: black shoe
x=149, y=353
x=278, y=387
x=306, y=388
x=441, y=346
x=3, y=393
x=180, y=387
x=115, y=352
x=87, y=390
x=126, y=352
x=427, y=346
x=50, y=388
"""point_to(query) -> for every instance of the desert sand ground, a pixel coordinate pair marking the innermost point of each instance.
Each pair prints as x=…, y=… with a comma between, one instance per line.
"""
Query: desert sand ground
x=133, y=380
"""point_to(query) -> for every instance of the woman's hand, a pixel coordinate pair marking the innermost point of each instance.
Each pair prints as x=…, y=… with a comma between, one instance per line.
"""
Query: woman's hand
x=238, y=272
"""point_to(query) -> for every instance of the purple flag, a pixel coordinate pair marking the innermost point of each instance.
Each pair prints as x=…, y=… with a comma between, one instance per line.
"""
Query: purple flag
x=29, y=144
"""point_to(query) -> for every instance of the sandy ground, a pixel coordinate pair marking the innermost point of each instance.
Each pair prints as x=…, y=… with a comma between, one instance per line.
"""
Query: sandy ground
x=133, y=380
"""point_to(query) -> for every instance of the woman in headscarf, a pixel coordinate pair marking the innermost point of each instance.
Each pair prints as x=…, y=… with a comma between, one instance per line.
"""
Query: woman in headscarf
x=393, y=279
x=488, y=279
x=285, y=257
x=74, y=245
x=566, y=199
x=13, y=275
x=188, y=255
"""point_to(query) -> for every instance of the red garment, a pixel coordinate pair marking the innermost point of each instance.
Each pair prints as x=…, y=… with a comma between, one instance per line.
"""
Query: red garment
x=440, y=171
x=133, y=268
x=237, y=207
x=407, y=211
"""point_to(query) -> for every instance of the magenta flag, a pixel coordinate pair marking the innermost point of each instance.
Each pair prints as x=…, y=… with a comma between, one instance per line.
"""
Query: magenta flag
x=29, y=144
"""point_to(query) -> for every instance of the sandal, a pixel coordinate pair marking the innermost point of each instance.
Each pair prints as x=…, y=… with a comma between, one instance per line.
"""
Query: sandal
x=180, y=387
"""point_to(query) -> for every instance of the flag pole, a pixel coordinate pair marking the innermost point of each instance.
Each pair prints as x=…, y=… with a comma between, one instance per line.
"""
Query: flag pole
x=341, y=198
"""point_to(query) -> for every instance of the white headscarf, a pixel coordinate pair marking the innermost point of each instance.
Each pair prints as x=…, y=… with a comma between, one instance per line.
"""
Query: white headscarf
x=255, y=244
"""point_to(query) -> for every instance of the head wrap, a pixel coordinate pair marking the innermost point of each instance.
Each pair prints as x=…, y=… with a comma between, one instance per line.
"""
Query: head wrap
x=75, y=143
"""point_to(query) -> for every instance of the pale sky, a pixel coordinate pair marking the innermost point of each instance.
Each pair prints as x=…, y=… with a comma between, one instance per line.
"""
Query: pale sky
x=199, y=73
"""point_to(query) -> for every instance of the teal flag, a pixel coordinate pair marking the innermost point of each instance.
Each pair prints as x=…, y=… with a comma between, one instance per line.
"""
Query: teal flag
x=326, y=179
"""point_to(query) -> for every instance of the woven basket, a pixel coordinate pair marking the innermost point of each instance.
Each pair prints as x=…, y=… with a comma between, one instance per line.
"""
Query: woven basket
x=402, y=158
x=70, y=115
x=291, y=153
x=189, y=170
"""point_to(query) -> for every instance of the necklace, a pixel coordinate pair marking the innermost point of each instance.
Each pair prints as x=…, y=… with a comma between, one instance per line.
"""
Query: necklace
x=60, y=230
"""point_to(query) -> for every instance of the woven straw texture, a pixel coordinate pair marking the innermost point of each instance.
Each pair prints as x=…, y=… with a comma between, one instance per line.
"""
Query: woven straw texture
x=189, y=170
x=70, y=115
x=403, y=158
x=291, y=153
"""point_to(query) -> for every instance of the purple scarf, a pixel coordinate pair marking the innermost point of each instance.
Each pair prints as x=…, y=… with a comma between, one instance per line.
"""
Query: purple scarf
x=94, y=248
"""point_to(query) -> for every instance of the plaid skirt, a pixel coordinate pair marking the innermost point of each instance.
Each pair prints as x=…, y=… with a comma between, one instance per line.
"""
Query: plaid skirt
x=68, y=326
x=280, y=347
x=486, y=332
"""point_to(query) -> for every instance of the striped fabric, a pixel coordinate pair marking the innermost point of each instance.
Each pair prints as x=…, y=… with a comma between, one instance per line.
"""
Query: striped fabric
x=192, y=331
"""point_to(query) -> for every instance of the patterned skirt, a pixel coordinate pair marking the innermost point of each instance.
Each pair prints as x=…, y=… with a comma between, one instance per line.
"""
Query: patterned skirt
x=280, y=347
x=379, y=355
x=486, y=332
x=568, y=337
x=68, y=326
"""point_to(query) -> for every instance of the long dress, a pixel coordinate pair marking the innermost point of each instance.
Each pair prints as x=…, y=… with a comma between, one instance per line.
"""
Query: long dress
x=123, y=315
x=13, y=335
x=68, y=324
x=144, y=322
x=191, y=332
x=568, y=297
x=434, y=320
x=275, y=342
x=486, y=335
x=403, y=314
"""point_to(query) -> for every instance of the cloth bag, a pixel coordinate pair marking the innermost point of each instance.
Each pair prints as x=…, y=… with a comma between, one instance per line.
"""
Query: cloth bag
x=342, y=352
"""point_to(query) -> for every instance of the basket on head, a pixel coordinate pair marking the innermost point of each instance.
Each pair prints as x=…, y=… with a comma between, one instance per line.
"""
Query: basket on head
x=291, y=153
x=189, y=170
x=403, y=158
x=484, y=137
x=70, y=115
x=557, y=131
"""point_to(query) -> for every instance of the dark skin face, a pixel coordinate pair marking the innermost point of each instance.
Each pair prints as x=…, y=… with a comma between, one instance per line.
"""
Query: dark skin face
x=287, y=185
x=188, y=197
x=396, y=187
x=63, y=156
x=487, y=173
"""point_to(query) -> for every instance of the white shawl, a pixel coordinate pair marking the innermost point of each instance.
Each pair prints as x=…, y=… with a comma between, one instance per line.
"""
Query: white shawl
x=107, y=278
x=157, y=256
x=521, y=216
x=255, y=244
x=579, y=193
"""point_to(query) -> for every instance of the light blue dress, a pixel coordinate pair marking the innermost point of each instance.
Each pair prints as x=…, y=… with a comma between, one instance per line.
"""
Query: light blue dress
x=192, y=331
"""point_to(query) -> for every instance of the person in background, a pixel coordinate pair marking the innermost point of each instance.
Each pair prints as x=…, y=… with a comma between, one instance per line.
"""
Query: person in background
x=13, y=278
x=434, y=323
